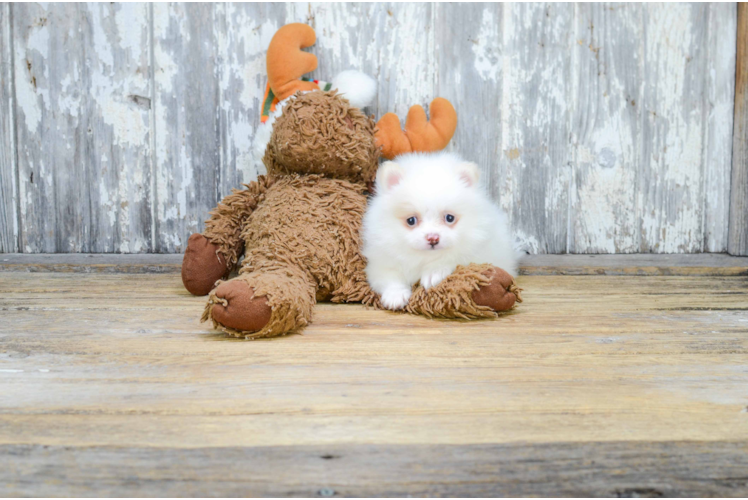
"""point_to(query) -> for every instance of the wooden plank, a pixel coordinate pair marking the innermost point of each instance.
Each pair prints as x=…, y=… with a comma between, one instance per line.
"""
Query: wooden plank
x=583, y=359
x=540, y=264
x=636, y=265
x=605, y=133
x=718, y=104
x=671, y=176
x=535, y=158
x=671, y=469
x=92, y=263
x=117, y=109
x=573, y=393
x=187, y=99
x=8, y=162
x=81, y=74
x=51, y=129
x=738, y=240
x=469, y=65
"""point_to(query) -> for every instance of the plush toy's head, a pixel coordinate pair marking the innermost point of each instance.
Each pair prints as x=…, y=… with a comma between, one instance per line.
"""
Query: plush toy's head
x=308, y=129
x=321, y=133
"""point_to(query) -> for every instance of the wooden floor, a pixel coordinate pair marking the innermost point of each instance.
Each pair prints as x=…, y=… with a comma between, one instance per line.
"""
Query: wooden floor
x=595, y=385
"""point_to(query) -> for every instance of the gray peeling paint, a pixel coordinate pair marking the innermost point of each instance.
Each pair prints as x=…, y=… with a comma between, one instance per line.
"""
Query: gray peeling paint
x=598, y=127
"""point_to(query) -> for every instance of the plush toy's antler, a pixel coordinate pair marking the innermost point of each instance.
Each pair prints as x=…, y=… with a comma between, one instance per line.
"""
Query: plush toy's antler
x=420, y=135
x=286, y=62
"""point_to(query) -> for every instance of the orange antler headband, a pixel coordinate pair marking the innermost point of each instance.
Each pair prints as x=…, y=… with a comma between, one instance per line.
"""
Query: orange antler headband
x=420, y=135
x=286, y=62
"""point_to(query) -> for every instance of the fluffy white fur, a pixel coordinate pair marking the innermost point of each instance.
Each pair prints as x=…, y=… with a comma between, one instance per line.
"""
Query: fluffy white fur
x=359, y=88
x=415, y=194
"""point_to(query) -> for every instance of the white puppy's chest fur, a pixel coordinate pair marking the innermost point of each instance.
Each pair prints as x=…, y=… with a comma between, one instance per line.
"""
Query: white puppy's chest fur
x=426, y=189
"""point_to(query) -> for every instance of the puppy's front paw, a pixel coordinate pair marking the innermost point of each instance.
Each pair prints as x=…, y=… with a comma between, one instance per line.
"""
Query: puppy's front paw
x=434, y=278
x=395, y=297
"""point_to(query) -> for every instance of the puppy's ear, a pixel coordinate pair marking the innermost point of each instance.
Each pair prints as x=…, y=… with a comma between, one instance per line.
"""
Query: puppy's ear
x=469, y=173
x=389, y=175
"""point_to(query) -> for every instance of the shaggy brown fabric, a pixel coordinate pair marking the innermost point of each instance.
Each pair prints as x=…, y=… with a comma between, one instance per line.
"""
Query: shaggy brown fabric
x=454, y=297
x=203, y=265
x=320, y=133
x=302, y=244
x=227, y=220
x=289, y=295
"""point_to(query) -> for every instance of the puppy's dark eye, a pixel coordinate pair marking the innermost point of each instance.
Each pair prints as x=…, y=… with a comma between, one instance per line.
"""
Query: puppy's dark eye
x=449, y=218
x=411, y=221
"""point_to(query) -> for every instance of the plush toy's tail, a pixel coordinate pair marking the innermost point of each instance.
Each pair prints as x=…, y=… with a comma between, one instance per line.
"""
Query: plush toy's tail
x=420, y=135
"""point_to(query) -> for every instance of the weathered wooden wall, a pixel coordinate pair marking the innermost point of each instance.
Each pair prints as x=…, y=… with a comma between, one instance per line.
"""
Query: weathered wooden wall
x=600, y=128
x=738, y=238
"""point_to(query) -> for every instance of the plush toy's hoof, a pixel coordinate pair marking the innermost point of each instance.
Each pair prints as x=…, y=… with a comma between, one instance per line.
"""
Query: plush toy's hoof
x=500, y=294
x=202, y=265
x=235, y=306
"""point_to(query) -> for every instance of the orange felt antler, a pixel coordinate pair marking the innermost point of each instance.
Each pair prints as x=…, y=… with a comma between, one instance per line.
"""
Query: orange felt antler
x=420, y=135
x=286, y=62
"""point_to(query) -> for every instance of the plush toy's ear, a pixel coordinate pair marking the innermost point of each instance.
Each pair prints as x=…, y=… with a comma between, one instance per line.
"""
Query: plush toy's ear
x=420, y=135
x=389, y=175
x=469, y=173
x=286, y=62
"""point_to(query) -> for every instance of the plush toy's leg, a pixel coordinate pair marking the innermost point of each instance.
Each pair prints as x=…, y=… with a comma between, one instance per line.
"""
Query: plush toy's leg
x=474, y=291
x=262, y=303
x=212, y=255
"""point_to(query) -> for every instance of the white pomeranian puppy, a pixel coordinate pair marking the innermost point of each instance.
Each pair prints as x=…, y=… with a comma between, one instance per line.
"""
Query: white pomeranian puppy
x=429, y=215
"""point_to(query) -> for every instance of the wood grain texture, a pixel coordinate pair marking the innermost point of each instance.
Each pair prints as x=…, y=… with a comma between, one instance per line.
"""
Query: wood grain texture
x=141, y=371
x=393, y=43
x=187, y=155
x=605, y=130
x=718, y=104
x=671, y=174
x=599, y=384
x=617, y=469
x=81, y=75
x=535, y=156
x=598, y=127
x=244, y=31
x=8, y=163
x=470, y=76
x=738, y=244
x=539, y=264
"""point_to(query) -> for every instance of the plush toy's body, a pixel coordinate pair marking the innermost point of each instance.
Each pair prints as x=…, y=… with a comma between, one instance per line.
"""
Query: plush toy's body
x=297, y=252
x=298, y=227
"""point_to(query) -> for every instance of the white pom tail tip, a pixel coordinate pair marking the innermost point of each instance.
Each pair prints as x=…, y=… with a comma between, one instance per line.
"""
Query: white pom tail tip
x=357, y=87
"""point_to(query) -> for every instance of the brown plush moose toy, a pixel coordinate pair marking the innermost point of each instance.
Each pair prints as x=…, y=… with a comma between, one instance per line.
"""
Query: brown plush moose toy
x=298, y=226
